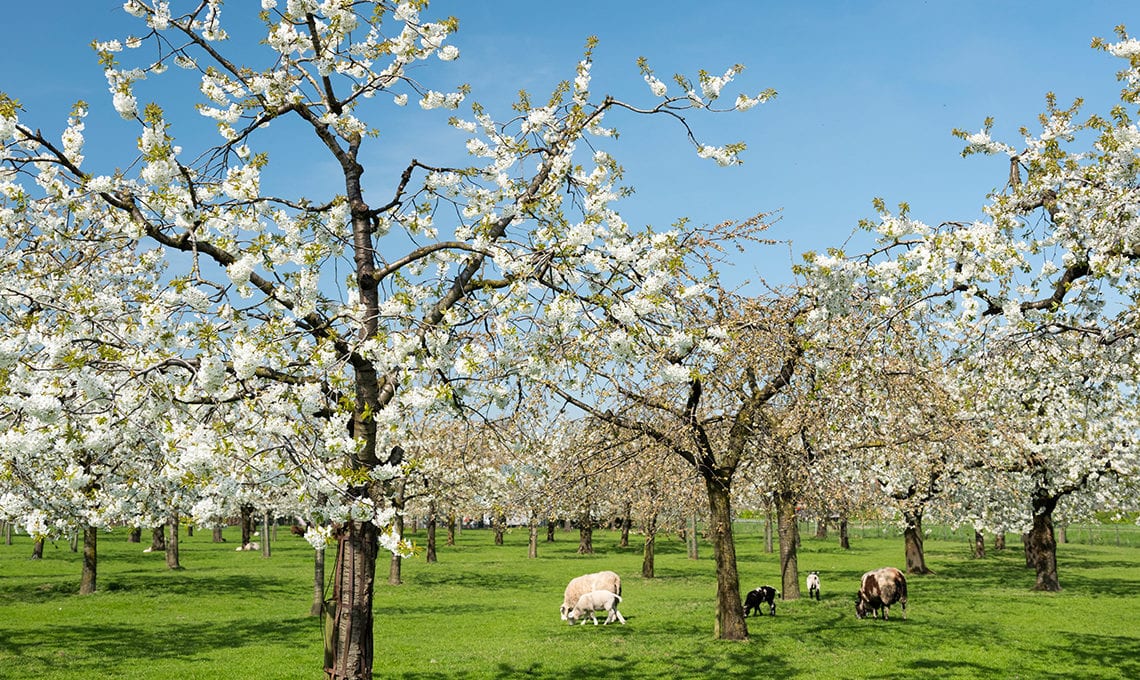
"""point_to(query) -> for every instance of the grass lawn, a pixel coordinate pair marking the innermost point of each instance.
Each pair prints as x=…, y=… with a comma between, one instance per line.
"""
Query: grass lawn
x=485, y=611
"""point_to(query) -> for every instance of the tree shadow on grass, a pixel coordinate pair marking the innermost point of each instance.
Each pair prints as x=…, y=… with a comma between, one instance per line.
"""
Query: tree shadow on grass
x=476, y=579
x=158, y=584
x=89, y=647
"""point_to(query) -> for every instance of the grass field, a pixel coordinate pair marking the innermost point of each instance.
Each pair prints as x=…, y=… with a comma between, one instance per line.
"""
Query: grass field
x=486, y=611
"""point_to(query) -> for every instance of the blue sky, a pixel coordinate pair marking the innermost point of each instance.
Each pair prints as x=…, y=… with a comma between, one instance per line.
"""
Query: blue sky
x=868, y=94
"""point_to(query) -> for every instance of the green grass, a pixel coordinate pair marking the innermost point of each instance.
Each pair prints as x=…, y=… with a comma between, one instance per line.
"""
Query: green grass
x=489, y=612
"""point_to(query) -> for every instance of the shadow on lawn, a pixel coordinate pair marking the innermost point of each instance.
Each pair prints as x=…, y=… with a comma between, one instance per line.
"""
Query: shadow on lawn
x=91, y=646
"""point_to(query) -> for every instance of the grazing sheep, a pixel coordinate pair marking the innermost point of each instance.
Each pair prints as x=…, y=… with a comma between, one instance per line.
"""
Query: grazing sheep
x=596, y=601
x=813, y=585
x=879, y=589
x=602, y=580
x=761, y=595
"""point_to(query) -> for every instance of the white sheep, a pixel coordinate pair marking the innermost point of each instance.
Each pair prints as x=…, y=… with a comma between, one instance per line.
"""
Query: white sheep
x=596, y=601
x=602, y=580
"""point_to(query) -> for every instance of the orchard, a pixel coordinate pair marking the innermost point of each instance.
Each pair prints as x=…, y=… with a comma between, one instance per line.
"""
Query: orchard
x=196, y=333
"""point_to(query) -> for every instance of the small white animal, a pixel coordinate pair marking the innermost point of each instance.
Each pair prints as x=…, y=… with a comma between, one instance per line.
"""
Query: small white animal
x=813, y=585
x=596, y=601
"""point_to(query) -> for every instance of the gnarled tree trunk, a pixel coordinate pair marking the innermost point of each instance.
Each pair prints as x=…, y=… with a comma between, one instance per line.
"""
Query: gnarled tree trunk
x=1041, y=545
x=789, y=532
x=730, y=623
x=912, y=537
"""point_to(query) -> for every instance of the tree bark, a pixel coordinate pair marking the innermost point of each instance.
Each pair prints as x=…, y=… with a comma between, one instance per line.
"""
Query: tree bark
x=730, y=623
x=821, y=528
x=395, y=566
x=348, y=644
x=90, y=541
x=430, y=556
x=318, y=583
x=999, y=540
x=500, y=523
x=912, y=537
x=38, y=549
x=551, y=527
x=135, y=535
x=265, y=548
x=172, y=544
x=768, y=547
x=158, y=538
x=1041, y=545
x=450, y=540
x=246, y=526
x=844, y=535
x=691, y=541
x=218, y=537
x=789, y=560
x=649, y=549
x=626, y=521
x=979, y=545
x=585, y=539
x=532, y=545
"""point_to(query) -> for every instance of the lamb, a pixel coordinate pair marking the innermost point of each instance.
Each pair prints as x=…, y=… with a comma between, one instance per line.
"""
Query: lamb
x=759, y=596
x=813, y=585
x=596, y=601
x=602, y=580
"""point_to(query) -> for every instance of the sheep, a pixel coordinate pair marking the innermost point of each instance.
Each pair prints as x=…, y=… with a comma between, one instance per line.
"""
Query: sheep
x=759, y=596
x=813, y=585
x=879, y=589
x=596, y=601
x=602, y=580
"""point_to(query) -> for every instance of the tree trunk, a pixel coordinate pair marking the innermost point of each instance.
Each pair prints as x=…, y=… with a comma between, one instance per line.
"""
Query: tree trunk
x=647, y=552
x=90, y=541
x=135, y=535
x=551, y=527
x=500, y=523
x=585, y=539
x=318, y=583
x=1041, y=545
x=844, y=536
x=395, y=567
x=158, y=538
x=218, y=537
x=626, y=521
x=768, y=532
x=532, y=546
x=999, y=540
x=789, y=560
x=730, y=624
x=912, y=537
x=172, y=544
x=430, y=556
x=38, y=549
x=691, y=538
x=979, y=544
x=450, y=530
x=348, y=642
x=246, y=526
x=73, y=542
x=821, y=528
x=265, y=549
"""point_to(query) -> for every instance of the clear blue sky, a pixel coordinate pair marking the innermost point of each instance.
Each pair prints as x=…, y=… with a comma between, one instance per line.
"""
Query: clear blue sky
x=868, y=93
